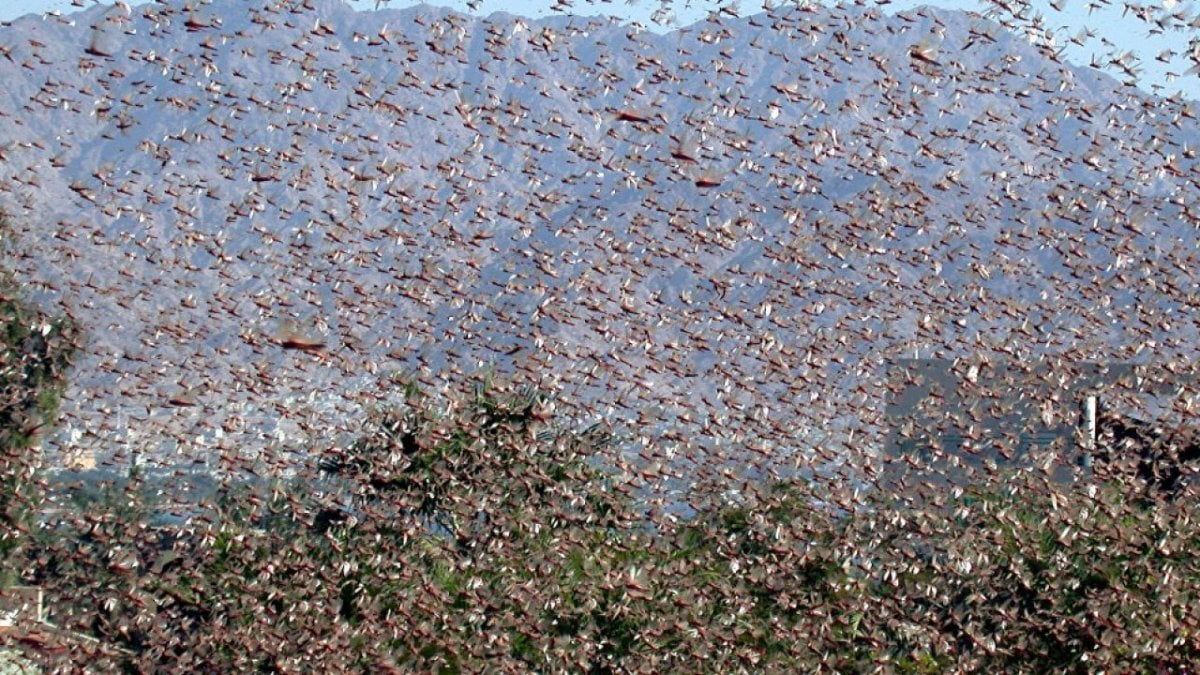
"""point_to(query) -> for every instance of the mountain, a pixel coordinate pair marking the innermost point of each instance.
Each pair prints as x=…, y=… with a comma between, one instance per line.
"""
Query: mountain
x=261, y=211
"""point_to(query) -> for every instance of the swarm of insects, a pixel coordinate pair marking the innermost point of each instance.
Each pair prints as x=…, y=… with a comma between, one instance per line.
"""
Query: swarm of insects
x=848, y=338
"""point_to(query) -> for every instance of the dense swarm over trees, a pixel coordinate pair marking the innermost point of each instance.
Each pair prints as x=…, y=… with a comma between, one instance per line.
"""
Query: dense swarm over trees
x=714, y=242
x=481, y=533
x=35, y=354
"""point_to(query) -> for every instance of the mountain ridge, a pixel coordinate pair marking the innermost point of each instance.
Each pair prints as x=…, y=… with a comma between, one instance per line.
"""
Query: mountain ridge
x=734, y=225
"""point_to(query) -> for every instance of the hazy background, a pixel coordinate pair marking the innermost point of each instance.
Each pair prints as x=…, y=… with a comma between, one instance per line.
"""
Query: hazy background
x=1114, y=29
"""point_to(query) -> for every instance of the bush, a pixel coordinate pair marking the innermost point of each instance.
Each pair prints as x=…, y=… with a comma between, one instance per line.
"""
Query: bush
x=476, y=534
x=35, y=354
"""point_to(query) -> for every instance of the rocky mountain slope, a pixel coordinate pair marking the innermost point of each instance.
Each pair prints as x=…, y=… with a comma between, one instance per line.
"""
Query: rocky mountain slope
x=722, y=234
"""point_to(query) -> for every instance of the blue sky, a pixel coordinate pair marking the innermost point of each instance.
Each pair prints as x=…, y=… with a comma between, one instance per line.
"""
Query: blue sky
x=1114, y=27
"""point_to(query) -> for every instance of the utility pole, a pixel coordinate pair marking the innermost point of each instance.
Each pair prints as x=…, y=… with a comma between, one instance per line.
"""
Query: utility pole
x=1087, y=428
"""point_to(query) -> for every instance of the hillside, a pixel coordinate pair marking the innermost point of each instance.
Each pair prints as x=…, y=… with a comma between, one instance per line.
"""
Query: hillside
x=257, y=214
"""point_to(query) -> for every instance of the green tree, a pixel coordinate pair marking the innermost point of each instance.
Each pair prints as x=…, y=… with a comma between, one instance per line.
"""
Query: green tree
x=474, y=534
x=492, y=468
x=35, y=354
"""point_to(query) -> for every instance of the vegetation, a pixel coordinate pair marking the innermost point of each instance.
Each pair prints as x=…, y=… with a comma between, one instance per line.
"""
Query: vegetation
x=478, y=535
x=35, y=353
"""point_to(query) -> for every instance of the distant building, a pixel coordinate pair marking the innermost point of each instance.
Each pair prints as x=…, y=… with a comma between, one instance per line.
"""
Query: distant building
x=80, y=460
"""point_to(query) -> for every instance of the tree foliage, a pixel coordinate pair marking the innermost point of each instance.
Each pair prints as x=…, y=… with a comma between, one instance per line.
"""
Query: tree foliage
x=35, y=354
x=479, y=534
